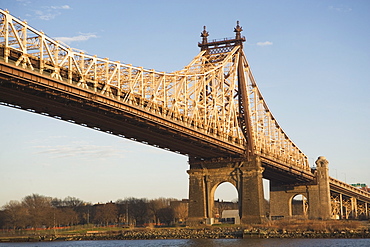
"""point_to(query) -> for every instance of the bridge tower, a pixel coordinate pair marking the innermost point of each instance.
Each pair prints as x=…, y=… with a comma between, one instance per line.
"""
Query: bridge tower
x=245, y=172
x=245, y=175
x=317, y=192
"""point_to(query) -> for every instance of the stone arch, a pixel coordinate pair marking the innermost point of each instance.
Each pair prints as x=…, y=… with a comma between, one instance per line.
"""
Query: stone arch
x=318, y=195
x=216, y=182
x=298, y=205
x=281, y=201
x=227, y=185
x=245, y=175
x=219, y=205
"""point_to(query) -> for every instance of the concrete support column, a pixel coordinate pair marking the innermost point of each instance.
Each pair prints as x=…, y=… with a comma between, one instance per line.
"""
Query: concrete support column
x=354, y=207
x=197, y=196
x=341, y=206
x=319, y=194
x=203, y=181
x=279, y=202
x=208, y=198
x=252, y=199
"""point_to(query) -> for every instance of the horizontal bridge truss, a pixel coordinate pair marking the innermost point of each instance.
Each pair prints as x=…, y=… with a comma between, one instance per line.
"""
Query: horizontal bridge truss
x=347, y=201
x=206, y=96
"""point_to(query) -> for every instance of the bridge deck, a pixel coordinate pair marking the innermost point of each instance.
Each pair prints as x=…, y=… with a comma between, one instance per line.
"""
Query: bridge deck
x=348, y=190
x=65, y=101
x=211, y=109
x=31, y=90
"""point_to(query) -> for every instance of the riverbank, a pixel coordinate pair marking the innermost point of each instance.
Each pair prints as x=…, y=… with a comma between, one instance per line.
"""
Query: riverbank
x=273, y=229
x=136, y=234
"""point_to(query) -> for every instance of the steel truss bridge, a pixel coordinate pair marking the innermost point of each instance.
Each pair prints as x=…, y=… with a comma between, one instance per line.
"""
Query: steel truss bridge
x=212, y=110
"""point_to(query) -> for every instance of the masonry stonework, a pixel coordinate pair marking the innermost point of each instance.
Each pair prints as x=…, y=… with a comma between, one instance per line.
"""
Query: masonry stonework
x=245, y=175
x=317, y=193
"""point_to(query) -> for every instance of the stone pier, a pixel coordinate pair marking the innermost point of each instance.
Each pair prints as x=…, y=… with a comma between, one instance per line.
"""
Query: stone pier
x=317, y=194
x=245, y=175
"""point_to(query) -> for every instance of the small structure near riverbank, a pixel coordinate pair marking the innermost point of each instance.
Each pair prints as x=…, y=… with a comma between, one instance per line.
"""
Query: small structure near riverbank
x=230, y=217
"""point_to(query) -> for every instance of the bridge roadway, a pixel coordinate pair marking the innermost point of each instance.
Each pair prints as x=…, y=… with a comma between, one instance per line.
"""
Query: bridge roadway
x=44, y=95
x=340, y=187
x=29, y=90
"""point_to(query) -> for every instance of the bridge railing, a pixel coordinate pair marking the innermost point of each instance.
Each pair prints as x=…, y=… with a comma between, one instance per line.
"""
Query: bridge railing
x=349, y=188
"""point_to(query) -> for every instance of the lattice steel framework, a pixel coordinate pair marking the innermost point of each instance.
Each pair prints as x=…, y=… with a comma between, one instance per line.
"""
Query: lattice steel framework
x=215, y=94
x=336, y=205
x=347, y=204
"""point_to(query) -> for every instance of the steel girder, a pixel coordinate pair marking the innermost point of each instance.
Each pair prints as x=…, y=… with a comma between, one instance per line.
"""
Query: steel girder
x=206, y=95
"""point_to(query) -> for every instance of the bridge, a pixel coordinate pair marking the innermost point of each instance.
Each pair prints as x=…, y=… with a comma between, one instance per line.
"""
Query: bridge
x=211, y=111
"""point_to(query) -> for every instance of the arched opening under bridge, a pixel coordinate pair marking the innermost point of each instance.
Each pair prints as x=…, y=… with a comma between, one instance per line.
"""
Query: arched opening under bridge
x=226, y=206
x=299, y=206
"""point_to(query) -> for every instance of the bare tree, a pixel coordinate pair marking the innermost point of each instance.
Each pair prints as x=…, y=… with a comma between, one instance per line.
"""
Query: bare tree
x=122, y=215
x=69, y=201
x=80, y=208
x=72, y=202
x=180, y=209
x=84, y=212
x=3, y=219
x=156, y=205
x=106, y=213
x=166, y=215
x=137, y=210
x=39, y=210
x=65, y=216
x=42, y=211
x=15, y=215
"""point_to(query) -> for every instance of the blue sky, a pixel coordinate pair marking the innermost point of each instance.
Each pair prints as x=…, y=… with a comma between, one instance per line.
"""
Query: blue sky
x=311, y=60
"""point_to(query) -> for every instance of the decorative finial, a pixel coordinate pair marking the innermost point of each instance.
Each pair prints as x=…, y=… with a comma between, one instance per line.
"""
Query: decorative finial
x=322, y=162
x=237, y=30
x=204, y=35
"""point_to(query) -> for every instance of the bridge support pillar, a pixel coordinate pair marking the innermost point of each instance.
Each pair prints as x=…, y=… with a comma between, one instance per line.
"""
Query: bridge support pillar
x=341, y=205
x=198, y=197
x=251, y=197
x=246, y=176
x=203, y=182
x=281, y=199
x=318, y=195
x=354, y=208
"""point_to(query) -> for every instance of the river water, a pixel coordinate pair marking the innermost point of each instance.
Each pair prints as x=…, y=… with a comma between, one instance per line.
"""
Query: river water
x=201, y=242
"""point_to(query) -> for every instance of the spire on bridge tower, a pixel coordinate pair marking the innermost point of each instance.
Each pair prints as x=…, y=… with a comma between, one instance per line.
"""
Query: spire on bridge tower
x=204, y=35
x=223, y=45
x=238, y=29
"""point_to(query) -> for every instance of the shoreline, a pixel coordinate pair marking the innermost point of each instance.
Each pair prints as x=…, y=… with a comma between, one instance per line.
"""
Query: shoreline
x=212, y=232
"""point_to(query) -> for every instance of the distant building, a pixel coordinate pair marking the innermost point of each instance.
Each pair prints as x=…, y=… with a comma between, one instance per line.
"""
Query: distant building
x=361, y=187
x=230, y=217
